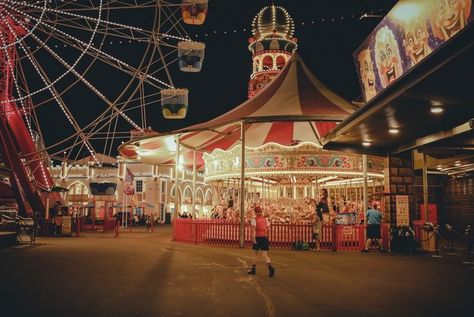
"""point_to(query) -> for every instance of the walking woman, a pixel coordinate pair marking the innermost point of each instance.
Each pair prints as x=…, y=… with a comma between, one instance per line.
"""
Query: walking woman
x=259, y=235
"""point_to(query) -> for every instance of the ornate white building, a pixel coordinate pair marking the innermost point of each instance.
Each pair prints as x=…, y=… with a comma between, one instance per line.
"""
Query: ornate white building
x=98, y=189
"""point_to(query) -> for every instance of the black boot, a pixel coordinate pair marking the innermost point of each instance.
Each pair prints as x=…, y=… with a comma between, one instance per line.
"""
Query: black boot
x=252, y=271
x=271, y=270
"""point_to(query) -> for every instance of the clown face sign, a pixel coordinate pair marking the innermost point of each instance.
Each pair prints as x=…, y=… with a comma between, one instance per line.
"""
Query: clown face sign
x=409, y=33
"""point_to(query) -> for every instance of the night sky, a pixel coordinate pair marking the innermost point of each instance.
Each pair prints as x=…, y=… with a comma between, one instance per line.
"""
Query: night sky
x=328, y=33
x=325, y=46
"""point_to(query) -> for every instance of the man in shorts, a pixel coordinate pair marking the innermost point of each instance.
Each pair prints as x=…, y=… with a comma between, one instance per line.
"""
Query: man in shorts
x=259, y=235
x=318, y=208
x=374, y=218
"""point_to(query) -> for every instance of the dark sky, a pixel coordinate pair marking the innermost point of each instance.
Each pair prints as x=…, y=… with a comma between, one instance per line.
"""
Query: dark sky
x=328, y=33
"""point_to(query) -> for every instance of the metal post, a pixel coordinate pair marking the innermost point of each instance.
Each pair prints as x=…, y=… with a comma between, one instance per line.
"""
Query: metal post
x=176, y=179
x=193, y=205
x=242, y=184
x=365, y=192
x=425, y=187
x=316, y=185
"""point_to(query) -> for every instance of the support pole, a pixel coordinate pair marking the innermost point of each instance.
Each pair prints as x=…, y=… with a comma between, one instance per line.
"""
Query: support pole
x=425, y=187
x=242, y=185
x=193, y=205
x=316, y=185
x=365, y=191
x=176, y=179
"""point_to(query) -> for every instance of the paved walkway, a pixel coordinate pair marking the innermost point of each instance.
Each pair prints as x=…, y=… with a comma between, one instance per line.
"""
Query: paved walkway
x=146, y=274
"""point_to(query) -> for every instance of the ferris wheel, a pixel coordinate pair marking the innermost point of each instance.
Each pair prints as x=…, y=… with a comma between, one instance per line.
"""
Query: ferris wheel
x=76, y=76
x=85, y=69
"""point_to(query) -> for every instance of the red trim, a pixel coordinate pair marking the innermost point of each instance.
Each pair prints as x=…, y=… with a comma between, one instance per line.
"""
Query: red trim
x=281, y=133
x=324, y=128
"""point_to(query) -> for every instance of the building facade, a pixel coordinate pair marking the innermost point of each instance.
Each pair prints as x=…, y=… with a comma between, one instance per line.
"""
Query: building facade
x=100, y=189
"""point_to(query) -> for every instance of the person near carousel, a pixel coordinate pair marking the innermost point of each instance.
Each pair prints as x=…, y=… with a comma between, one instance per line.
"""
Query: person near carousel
x=319, y=208
x=259, y=235
x=374, y=218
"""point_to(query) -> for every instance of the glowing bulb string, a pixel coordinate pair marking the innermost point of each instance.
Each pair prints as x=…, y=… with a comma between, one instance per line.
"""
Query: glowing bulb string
x=70, y=68
x=48, y=84
x=11, y=68
x=303, y=23
x=43, y=10
x=97, y=20
x=92, y=48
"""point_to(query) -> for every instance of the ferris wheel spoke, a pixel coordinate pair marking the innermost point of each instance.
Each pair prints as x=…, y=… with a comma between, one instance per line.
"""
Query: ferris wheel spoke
x=98, y=20
x=50, y=86
x=104, y=56
x=115, y=62
x=107, y=56
x=175, y=23
x=70, y=68
x=67, y=41
x=42, y=11
x=60, y=102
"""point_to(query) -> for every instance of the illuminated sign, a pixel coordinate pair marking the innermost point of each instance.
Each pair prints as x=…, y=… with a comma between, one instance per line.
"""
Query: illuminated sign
x=411, y=31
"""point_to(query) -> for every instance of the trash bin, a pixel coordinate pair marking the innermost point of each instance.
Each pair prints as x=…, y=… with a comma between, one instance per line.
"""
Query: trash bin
x=424, y=233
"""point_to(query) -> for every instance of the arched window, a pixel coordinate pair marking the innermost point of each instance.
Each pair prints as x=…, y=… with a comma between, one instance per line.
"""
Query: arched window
x=274, y=45
x=199, y=196
x=267, y=62
x=188, y=195
x=258, y=47
x=208, y=197
x=173, y=192
x=77, y=195
x=280, y=61
x=78, y=188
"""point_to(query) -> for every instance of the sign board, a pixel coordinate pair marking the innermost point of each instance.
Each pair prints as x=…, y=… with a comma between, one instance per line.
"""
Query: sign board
x=410, y=32
x=347, y=231
x=66, y=225
x=403, y=207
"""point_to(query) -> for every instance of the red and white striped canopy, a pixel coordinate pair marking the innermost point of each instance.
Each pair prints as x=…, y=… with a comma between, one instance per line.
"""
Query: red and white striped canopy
x=295, y=107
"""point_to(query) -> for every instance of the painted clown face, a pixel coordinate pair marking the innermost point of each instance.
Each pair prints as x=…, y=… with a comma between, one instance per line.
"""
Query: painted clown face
x=416, y=41
x=449, y=17
x=387, y=56
x=367, y=74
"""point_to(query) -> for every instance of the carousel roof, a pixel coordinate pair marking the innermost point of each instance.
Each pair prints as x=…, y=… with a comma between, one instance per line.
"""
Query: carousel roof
x=295, y=107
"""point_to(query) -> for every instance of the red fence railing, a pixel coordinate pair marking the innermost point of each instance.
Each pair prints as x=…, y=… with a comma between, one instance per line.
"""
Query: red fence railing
x=223, y=233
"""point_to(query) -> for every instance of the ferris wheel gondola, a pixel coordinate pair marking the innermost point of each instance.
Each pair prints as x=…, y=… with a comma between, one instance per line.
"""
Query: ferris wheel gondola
x=194, y=11
x=77, y=75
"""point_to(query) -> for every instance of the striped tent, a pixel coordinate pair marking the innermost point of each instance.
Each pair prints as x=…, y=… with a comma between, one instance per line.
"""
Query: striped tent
x=295, y=107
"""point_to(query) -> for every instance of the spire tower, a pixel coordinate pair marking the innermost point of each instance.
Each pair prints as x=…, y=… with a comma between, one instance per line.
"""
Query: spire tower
x=272, y=45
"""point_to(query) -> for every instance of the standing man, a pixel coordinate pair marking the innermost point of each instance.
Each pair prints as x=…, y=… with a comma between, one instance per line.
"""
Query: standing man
x=374, y=218
x=318, y=208
x=259, y=233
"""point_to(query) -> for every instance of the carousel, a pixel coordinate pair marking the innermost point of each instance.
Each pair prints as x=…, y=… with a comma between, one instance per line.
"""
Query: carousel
x=283, y=178
x=278, y=132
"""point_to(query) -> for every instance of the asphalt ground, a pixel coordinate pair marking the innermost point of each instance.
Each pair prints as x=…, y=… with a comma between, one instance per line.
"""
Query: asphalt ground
x=147, y=274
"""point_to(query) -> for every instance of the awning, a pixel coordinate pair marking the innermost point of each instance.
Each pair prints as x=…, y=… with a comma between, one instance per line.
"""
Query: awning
x=443, y=79
x=295, y=107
